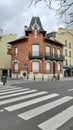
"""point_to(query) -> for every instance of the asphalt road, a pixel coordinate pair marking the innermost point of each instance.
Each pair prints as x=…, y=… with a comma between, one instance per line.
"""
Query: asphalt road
x=37, y=106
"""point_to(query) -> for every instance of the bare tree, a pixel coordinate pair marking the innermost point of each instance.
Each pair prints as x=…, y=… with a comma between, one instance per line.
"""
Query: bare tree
x=63, y=8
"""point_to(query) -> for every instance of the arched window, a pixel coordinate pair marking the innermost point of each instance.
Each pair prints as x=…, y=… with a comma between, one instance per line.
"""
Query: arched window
x=48, y=66
x=35, y=66
x=16, y=66
x=58, y=66
x=35, y=32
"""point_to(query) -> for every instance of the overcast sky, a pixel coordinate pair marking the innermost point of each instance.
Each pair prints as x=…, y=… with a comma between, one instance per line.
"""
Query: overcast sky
x=15, y=14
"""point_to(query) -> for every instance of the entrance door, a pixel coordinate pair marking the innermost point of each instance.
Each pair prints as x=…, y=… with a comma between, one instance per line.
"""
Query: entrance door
x=5, y=72
x=54, y=69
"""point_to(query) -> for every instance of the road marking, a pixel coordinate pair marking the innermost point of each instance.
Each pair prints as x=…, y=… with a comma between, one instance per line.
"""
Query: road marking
x=16, y=94
x=28, y=103
x=39, y=110
x=70, y=89
x=22, y=97
x=16, y=90
x=4, y=88
x=1, y=110
x=58, y=120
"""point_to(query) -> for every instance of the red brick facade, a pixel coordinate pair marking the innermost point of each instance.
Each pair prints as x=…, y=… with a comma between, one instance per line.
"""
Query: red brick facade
x=25, y=58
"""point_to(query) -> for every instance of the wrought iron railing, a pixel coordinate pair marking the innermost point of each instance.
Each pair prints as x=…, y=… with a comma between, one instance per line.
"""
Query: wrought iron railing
x=35, y=55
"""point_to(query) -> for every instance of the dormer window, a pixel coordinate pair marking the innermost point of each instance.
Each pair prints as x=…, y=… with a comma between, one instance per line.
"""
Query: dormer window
x=35, y=32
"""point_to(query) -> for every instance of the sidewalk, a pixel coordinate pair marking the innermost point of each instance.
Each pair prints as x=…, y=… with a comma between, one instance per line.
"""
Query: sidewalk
x=66, y=79
x=10, y=82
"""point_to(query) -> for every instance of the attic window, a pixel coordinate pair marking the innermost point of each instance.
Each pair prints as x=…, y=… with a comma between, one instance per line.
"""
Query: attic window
x=35, y=32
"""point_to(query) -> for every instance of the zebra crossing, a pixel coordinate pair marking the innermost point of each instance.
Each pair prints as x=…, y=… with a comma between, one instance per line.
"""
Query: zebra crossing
x=24, y=97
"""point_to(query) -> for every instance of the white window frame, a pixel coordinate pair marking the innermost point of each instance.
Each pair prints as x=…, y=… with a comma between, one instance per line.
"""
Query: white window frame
x=58, y=66
x=35, y=66
x=48, y=66
x=16, y=66
x=35, y=32
x=35, y=49
x=47, y=50
x=15, y=51
x=53, y=52
x=59, y=53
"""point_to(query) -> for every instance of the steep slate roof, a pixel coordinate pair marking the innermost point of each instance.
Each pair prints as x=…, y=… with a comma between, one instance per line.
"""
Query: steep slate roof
x=38, y=22
x=52, y=34
x=37, y=19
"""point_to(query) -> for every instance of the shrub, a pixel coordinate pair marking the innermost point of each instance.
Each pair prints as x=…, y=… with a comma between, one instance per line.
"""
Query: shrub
x=24, y=74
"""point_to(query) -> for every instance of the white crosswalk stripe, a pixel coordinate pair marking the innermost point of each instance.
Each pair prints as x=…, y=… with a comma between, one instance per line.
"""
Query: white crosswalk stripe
x=24, y=97
x=34, y=112
x=70, y=89
x=30, y=102
x=58, y=120
x=7, y=87
x=17, y=94
x=15, y=90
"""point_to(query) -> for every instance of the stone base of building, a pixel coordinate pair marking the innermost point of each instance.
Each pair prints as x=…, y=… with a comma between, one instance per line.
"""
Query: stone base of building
x=37, y=76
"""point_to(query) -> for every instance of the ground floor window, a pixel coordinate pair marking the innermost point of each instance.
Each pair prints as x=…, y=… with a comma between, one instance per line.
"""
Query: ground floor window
x=47, y=66
x=58, y=66
x=16, y=66
x=35, y=66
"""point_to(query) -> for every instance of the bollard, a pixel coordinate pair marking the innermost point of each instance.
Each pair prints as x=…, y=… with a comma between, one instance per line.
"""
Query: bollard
x=34, y=77
x=42, y=78
x=27, y=76
x=58, y=77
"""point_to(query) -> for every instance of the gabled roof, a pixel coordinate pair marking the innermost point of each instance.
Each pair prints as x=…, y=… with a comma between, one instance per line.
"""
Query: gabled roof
x=38, y=22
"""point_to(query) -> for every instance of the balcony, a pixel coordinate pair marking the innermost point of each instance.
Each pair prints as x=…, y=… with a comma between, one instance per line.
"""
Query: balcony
x=35, y=55
x=55, y=57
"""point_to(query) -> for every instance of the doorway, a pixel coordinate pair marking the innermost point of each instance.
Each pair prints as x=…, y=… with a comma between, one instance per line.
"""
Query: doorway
x=54, y=64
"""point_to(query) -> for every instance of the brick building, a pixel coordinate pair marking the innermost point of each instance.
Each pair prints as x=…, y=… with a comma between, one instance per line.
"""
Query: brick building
x=36, y=53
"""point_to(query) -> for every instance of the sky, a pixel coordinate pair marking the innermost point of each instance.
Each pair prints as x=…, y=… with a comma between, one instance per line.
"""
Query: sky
x=15, y=14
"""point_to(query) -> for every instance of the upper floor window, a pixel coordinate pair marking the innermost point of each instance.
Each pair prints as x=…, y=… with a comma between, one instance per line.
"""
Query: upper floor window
x=53, y=52
x=47, y=50
x=69, y=44
x=66, y=62
x=66, y=43
x=15, y=51
x=69, y=53
x=70, y=62
x=58, y=53
x=35, y=32
x=65, y=52
x=35, y=50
